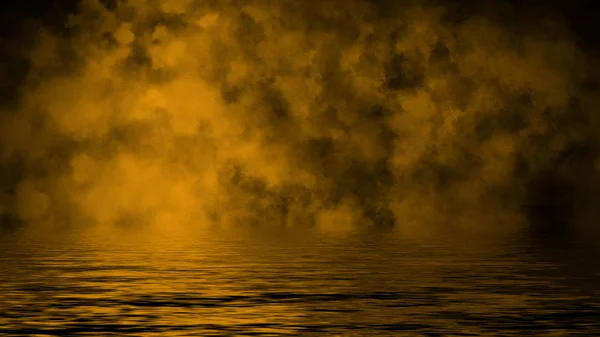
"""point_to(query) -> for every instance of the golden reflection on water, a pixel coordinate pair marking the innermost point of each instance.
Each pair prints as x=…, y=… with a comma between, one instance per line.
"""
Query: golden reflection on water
x=363, y=284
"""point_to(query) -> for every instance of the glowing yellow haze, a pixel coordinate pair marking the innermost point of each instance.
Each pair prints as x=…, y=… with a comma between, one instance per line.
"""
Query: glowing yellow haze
x=177, y=113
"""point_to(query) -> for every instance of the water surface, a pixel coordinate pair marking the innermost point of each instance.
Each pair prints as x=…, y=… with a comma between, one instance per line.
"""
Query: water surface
x=361, y=284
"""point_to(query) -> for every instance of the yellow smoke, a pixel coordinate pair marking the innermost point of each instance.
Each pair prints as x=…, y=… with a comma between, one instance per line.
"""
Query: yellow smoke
x=184, y=113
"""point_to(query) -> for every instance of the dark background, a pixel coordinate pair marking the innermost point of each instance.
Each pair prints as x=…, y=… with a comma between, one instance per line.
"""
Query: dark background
x=581, y=15
x=16, y=19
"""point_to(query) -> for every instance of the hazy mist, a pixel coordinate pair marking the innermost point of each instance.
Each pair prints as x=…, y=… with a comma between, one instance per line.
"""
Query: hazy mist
x=335, y=114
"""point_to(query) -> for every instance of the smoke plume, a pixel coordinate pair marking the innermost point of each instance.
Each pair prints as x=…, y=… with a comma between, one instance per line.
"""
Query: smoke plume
x=333, y=114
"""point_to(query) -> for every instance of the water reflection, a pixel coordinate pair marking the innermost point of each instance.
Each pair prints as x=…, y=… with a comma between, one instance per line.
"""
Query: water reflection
x=293, y=284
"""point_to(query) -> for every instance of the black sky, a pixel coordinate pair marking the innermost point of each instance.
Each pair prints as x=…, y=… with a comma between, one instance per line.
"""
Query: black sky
x=580, y=14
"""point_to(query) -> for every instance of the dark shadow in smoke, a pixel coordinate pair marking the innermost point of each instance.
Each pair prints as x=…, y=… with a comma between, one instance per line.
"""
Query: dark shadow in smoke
x=550, y=202
x=13, y=69
x=20, y=23
x=404, y=73
x=9, y=223
x=558, y=195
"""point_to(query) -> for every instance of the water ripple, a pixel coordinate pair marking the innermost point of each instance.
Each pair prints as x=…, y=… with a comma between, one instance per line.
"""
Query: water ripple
x=254, y=288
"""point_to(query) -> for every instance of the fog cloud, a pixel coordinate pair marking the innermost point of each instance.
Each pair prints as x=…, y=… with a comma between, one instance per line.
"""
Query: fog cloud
x=197, y=113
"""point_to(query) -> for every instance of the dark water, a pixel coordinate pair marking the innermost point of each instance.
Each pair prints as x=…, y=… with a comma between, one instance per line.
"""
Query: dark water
x=362, y=284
